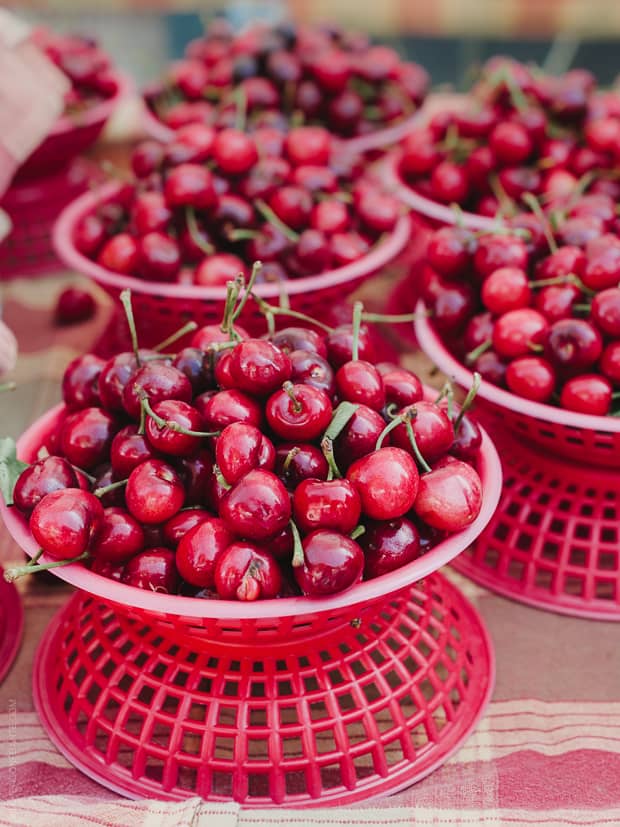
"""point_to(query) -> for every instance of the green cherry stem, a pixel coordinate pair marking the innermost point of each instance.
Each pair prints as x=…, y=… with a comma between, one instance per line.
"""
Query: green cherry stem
x=289, y=458
x=270, y=216
x=327, y=446
x=125, y=298
x=238, y=310
x=358, y=309
x=113, y=486
x=398, y=420
x=19, y=571
x=269, y=309
x=357, y=532
x=421, y=461
x=189, y=327
x=172, y=426
x=194, y=231
x=468, y=401
x=532, y=202
x=298, y=549
x=473, y=355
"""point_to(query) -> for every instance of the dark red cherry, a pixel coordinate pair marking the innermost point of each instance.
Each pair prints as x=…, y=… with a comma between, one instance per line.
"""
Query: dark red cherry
x=175, y=529
x=159, y=382
x=257, y=507
x=154, y=492
x=221, y=409
x=531, y=378
x=333, y=504
x=495, y=251
x=290, y=339
x=195, y=364
x=311, y=369
x=433, y=431
x=574, y=344
x=387, y=482
x=401, y=387
x=195, y=473
x=258, y=367
x=199, y=550
x=605, y=311
x=74, y=305
x=359, y=436
x=299, y=412
x=86, y=437
x=190, y=185
x=153, y=570
x=80, y=382
x=238, y=449
x=64, y=522
x=467, y=440
x=448, y=251
x=41, y=478
x=359, y=381
x=588, y=394
x=165, y=438
x=332, y=563
x=299, y=461
x=246, y=572
x=128, y=450
x=340, y=345
x=388, y=546
x=118, y=537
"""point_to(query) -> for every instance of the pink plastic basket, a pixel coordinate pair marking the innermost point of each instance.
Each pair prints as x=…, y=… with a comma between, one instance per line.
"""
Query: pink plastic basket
x=72, y=135
x=11, y=625
x=294, y=701
x=554, y=540
x=160, y=309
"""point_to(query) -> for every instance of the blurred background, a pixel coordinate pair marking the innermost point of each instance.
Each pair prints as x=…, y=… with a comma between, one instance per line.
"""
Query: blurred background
x=449, y=37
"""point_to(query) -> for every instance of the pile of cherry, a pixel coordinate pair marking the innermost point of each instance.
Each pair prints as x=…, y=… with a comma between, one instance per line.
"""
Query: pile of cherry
x=246, y=468
x=85, y=64
x=289, y=75
x=209, y=201
x=519, y=132
x=532, y=313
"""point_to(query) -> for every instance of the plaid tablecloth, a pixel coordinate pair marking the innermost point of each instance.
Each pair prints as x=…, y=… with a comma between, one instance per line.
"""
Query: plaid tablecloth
x=547, y=753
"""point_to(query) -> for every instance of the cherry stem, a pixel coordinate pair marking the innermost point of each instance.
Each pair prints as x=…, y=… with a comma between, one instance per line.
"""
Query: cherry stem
x=447, y=392
x=182, y=331
x=142, y=425
x=8, y=386
x=269, y=309
x=514, y=90
x=506, y=205
x=298, y=549
x=340, y=418
x=270, y=216
x=131, y=323
x=459, y=218
x=288, y=388
x=289, y=458
x=357, y=532
x=468, y=401
x=533, y=203
x=221, y=478
x=241, y=234
x=582, y=308
x=396, y=421
x=194, y=231
x=101, y=492
x=358, y=309
x=19, y=571
x=421, y=461
x=327, y=446
x=238, y=310
x=167, y=423
x=232, y=294
x=473, y=355
x=569, y=278
x=242, y=107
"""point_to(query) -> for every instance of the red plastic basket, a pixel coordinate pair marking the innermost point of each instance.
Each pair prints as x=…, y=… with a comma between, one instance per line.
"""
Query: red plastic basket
x=554, y=540
x=73, y=135
x=160, y=309
x=11, y=625
x=294, y=701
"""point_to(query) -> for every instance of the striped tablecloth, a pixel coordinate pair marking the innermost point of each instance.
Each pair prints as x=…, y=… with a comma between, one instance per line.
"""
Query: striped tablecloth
x=547, y=752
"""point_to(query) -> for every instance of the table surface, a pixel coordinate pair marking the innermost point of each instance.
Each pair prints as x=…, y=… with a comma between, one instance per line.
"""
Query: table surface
x=547, y=752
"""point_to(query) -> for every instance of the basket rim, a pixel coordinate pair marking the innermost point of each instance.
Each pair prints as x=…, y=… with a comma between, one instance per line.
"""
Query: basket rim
x=426, y=206
x=191, y=607
x=379, y=139
x=95, y=114
x=432, y=345
x=62, y=239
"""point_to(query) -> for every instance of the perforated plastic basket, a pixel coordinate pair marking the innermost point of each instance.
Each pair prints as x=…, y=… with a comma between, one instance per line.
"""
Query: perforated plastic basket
x=11, y=625
x=72, y=135
x=161, y=308
x=293, y=701
x=554, y=541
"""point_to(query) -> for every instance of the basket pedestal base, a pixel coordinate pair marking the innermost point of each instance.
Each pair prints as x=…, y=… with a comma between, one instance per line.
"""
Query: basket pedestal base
x=554, y=540
x=360, y=712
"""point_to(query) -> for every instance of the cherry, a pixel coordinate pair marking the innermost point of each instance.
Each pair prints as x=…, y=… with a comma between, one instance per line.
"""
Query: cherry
x=574, y=344
x=157, y=382
x=195, y=473
x=166, y=437
x=80, y=382
x=86, y=437
x=479, y=330
x=212, y=334
x=388, y=546
x=449, y=497
x=510, y=143
x=518, y=332
x=257, y=507
x=359, y=381
x=359, y=436
x=340, y=345
x=114, y=375
x=603, y=265
x=195, y=364
x=190, y=185
x=120, y=254
x=118, y=537
x=154, y=492
x=467, y=439
x=74, y=305
x=452, y=306
x=153, y=570
x=347, y=248
x=292, y=205
x=331, y=504
x=495, y=251
x=146, y=158
x=298, y=412
x=556, y=301
x=387, y=482
x=246, y=572
x=401, y=387
x=113, y=571
x=299, y=338
x=449, y=183
x=588, y=393
x=258, y=367
x=490, y=367
x=506, y=289
x=221, y=409
x=448, y=251
x=531, y=377
x=89, y=235
x=41, y=478
x=605, y=311
x=199, y=549
x=128, y=450
x=217, y=270
x=158, y=257
x=175, y=529
x=433, y=431
x=150, y=213
x=331, y=563
x=65, y=521
x=240, y=448
x=308, y=145
x=330, y=216
x=564, y=261
x=299, y=461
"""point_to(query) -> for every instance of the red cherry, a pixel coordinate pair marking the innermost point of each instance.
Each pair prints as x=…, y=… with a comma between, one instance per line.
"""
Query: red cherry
x=490, y=367
x=234, y=151
x=299, y=338
x=64, y=522
x=217, y=270
x=89, y=235
x=449, y=183
x=340, y=345
x=227, y=406
x=158, y=257
x=120, y=254
x=510, y=143
x=574, y=344
x=605, y=311
x=190, y=185
x=86, y=437
x=80, y=382
x=449, y=497
x=259, y=367
x=299, y=461
x=118, y=537
x=506, y=289
x=315, y=179
x=292, y=205
x=331, y=563
x=448, y=251
x=158, y=382
x=299, y=412
x=516, y=332
x=556, y=301
x=467, y=440
x=610, y=362
x=603, y=266
x=531, y=378
x=154, y=492
x=165, y=438
x=212, y=334
x=195, y=364
x=239, y=449
x=331, y=504
x=588, y=393
x=388, y=546
x=387, y=482
x=452, y=306
x=128, y=450
x=359, y=381
x=330, y=216
x=347, y=248
x=149, y=213
x=74, y=305
x=495, y=251
x=401, y=387
x=433, y=431
x=199, y=550
x=308, y=145
x=257, y=507
x=246, y=572
x=196, y=473
x=153, y=570
x=41, y=478
x=359, y=436
x=479, y=330
x=175, y=529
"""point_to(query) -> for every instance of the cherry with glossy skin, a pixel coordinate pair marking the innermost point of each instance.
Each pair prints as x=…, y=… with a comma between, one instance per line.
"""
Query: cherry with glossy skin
x=298, y=412
x=491, y=367
x=448, y=251
x=510, y=143
x=478, y=331
x=432, y=429
x=199, y=550
x=359, y=436
x=64, y=522
x=257, y=507
x=240, y=448
x=86, y=437
x=495, y=251
x=154, y=492
x=159, y=257
x=118, y=537
x=190, y=185
x=331, y=563
x=234, y=151
x=506, y=289
x=610, y=362
x=74, y=305
x=212, y=334
x=333, y=504
x=153, y=570
x=80, y=382
x=452, y=306
x=290, y=339
x=89, y=235
x=531, y=378
x=449, y=183
x=311, y=369
x=518, y=332
x=120, y=254
x=340, y=345
x=388, y=546
x=165, y=438
x=217, y=270
x=258, y=367
x=195, y=364
x=556, y=301
x=115, y=375
x=602, y=269
x=573, y=344
x=296, y=462
x=227, y=406
x=246, y=572
x=41, y=478
x=449, y=497
x=387, y=482
x=128, y=450
x=158, y=382
x=401, y=387
x=359, y=381
x=605, y=311
x=588, y=393
x=175, y=529
x=467, y=440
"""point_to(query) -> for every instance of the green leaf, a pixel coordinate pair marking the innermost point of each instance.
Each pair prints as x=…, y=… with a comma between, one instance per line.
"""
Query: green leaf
x=10, y=468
